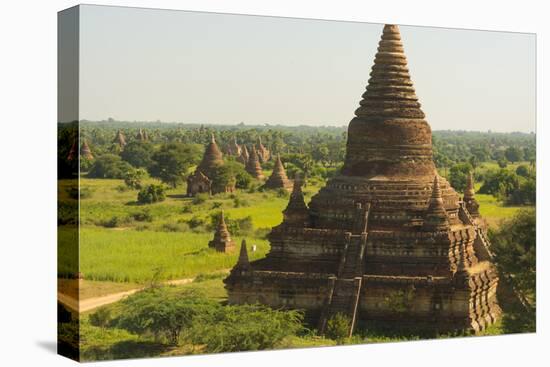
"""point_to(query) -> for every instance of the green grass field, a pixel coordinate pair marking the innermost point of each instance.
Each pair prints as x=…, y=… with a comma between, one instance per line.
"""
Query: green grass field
x=116, y=247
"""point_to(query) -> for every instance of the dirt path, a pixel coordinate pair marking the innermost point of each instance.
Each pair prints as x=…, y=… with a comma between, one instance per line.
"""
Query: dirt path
x=95, y=302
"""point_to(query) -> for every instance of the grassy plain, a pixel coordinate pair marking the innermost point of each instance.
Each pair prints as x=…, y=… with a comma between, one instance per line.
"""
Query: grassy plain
x=117, y=244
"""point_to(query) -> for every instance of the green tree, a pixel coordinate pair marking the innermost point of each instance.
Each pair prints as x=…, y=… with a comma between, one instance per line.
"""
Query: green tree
x=513, y=154
x=101, y=317
x=245, y=327
x=171, y=162
x=109, y=166
x=162, y=313
x=134, y=177
x=522, y=170
x=514, y=245
x=138, y=154
x=459, y=175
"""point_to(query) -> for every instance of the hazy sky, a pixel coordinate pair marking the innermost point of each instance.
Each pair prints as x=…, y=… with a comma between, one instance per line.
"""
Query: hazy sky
x=147, y=65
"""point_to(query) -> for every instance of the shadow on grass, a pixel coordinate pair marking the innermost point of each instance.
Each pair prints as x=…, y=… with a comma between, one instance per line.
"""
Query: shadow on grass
x=125, y=350
x=177, y=196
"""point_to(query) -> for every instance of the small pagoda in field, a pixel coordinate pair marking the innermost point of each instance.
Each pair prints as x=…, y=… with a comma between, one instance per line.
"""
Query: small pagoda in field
x=222, y=241
x=263, y=153
x=120, y=140
x=203, y=179
x=387, y=241
x=253, y=166
x=278, y=178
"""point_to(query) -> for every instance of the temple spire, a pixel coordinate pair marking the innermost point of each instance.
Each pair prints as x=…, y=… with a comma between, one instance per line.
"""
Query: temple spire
x=389, y=136
x=469, y=197
x=296, y=212
x=243, y=263
x=211, y=159
x=278, y=178
x=85, y=150
x=436, y=215
x=120, y=140
x=253, y=165
x=140, y=135
x=222, y=241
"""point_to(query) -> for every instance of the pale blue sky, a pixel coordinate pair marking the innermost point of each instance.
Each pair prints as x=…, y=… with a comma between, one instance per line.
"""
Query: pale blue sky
x=147, y=65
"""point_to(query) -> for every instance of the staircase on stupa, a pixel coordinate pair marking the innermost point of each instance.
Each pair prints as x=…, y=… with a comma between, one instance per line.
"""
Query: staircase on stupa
x=344, y=294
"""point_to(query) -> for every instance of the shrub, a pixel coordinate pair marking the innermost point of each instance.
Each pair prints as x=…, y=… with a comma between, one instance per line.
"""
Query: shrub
x=200, y=198
x=237, y=227
x=101, y=317
x=113, y=222
x=245, y=327
x=134, y=177
x=142, y=216
x=239, y=202
x=175, y=227
x=338, y=327
x=83, y=193
x=151, y=194
x=195, y=222
x=522, y=170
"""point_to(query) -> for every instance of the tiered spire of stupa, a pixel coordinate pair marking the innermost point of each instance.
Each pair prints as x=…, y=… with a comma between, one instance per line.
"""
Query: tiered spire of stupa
x=243, y=263
x=253, y=165
x=296, y=212
x=211, y=159
x=119, y=139
x=278, y=178
x=469, y=197
x=436, y=218
x=389, y=136
x=222, y=241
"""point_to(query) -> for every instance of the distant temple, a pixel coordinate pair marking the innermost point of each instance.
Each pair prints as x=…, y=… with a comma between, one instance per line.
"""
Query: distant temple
x=233, y=148
x=253, y=166
x=203, y=179
x=142, y=135
x=263, y=153
x=244, y=156
x=119, y=140
x=222, y=241
x=278, y=178
x=85, y=151
x=387, y=241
